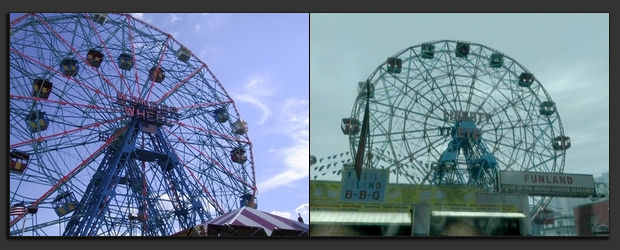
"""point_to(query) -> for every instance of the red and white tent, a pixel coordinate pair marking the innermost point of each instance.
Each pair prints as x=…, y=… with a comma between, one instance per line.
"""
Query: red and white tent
x=247, y=221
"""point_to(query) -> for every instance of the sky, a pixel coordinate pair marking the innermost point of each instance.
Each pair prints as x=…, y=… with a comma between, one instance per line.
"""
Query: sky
x=567, y=53
x=262, y=61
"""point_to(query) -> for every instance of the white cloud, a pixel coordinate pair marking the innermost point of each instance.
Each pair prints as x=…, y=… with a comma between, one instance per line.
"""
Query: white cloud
x=254, y=101
x=198, y=27
x=142, y=17
x=296, y=166
x=259, y=85
x=256, y=89
x=295, y=118
x=294, y=122
x=303, y=209
x=174, y=18
x=213, y=20
x=137, y=15
x=282, y=214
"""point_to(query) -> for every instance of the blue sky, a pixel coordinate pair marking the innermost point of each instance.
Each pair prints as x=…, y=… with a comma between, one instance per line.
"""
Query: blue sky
x=567, y=52
x=262, y=62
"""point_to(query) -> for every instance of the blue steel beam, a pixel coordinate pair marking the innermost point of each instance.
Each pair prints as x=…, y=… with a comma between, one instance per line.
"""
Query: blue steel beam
x=123, y=169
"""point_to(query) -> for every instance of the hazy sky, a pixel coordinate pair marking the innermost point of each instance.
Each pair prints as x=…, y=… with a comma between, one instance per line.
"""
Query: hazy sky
x=567, y=53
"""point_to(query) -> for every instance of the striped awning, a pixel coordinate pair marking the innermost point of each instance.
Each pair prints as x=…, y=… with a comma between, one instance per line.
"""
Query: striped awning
x=251, y=217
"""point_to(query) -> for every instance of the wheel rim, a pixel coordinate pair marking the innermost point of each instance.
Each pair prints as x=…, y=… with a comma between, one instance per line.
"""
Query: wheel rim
x=190, y=158
x=418, y=98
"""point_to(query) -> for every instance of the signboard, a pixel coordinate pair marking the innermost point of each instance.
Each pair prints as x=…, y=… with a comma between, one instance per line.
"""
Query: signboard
x=547, y=184
x=325, y=191
x=370, y=187
x=430, y=194
x=326, y=196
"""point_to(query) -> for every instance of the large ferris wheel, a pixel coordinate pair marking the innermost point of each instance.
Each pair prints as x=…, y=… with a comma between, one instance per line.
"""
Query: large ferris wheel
x=456, y=113
x=118, y=129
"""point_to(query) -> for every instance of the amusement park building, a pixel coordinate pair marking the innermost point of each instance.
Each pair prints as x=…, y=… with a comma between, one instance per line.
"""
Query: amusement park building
x=464, y=219
x=417, y=210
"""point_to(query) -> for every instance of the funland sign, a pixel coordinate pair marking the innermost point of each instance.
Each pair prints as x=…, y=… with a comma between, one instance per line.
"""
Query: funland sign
x=547, y=184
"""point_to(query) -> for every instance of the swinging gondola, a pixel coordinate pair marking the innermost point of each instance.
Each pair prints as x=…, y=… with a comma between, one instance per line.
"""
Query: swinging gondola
x=545, y=217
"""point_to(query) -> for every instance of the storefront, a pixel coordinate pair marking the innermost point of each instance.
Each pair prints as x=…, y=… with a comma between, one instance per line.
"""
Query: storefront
x=419, y=210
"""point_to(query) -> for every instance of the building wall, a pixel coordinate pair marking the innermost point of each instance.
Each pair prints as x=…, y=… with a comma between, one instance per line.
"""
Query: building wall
x=590, y=216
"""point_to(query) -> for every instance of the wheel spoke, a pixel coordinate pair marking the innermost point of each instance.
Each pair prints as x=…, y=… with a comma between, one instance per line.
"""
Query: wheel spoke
x=470, y=113
x=118, y=129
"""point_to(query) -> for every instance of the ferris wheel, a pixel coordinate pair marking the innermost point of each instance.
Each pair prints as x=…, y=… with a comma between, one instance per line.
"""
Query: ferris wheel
x=117, y=129
x=455, y=113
